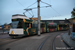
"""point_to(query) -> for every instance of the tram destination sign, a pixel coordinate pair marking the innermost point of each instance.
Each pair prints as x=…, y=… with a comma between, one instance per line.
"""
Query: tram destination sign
x=16, y=19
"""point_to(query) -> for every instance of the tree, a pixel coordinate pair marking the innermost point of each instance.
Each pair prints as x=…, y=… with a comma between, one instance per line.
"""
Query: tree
x=73, y=13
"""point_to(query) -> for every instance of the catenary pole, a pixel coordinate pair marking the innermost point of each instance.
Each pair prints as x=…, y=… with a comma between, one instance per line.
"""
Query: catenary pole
x=38, y=17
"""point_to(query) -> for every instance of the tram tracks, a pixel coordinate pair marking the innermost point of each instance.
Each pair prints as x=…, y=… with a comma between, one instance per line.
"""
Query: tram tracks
x=53, y=40
x=40, y=47
x=42, y=44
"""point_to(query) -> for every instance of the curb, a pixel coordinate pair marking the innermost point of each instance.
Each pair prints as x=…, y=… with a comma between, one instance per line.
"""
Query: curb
x=67, y=43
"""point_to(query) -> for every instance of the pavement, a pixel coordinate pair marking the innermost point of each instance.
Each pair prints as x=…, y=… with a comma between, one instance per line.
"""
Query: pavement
x=33, y=42
x=67, y=39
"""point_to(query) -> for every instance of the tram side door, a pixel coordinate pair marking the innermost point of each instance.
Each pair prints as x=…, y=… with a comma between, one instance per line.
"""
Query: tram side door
x=26, y=26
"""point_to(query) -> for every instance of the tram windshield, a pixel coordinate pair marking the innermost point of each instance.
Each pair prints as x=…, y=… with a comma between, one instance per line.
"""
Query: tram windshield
x=64, y=26
x=17, y=24
x=60, y=25
x=52, y=26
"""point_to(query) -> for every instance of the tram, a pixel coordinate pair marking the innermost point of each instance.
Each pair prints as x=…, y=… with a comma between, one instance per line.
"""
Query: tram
x=43, y=27
x=73, y=31
x=22, y=25
x=63, y=27
x=51, y=27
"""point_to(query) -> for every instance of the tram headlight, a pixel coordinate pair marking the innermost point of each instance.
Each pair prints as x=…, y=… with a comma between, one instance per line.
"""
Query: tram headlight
x=14, y=33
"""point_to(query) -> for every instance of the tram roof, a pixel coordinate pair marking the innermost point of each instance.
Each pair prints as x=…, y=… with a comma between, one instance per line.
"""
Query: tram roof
x=52, y=23
x=19, y=16
x=57, y=21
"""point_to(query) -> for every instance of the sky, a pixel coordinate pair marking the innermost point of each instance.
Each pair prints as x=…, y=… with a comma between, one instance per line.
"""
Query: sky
x=59, y=10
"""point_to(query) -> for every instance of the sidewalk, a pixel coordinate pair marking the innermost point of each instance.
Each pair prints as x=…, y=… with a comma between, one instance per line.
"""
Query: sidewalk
x=67, y=39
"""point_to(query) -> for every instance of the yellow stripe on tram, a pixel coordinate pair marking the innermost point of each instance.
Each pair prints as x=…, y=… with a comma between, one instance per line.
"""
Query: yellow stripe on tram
x=28, y=28
x=12, y=32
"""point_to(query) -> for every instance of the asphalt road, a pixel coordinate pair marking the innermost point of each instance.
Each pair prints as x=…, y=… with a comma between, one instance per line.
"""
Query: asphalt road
x=47, y=41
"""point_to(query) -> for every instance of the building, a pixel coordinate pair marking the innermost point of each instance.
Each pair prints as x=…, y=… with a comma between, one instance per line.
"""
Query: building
x=7, y=27
x=72, y=20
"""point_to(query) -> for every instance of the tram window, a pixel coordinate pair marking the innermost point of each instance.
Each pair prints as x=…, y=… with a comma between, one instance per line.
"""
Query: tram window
x=73, y=27
x=34, y=25
x=51, y=26
x=20, y=25
x=60, y=25
x=16, y=24
x=48, y=26
x=63, y=26
x=54, y=26
x=26, y=24
x=42, y=25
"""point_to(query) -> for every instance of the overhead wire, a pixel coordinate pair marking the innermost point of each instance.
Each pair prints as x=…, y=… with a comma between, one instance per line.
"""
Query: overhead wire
x=31, y=9
x=27, y=7
x=46, y=3
x=20, y=3
x=30, y=13
x=31, y=4
x=51, y=7
x=56, y=11
x=36, y=7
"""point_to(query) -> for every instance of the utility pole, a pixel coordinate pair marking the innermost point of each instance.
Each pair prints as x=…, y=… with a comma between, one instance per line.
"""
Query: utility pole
x=38, y=6
x=38, y=17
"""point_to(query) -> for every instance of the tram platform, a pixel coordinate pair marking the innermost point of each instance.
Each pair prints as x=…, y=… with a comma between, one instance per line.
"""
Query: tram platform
x=67, y=39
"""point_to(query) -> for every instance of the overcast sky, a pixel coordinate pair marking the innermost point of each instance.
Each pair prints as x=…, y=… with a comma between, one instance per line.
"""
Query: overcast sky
x=61, y=9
